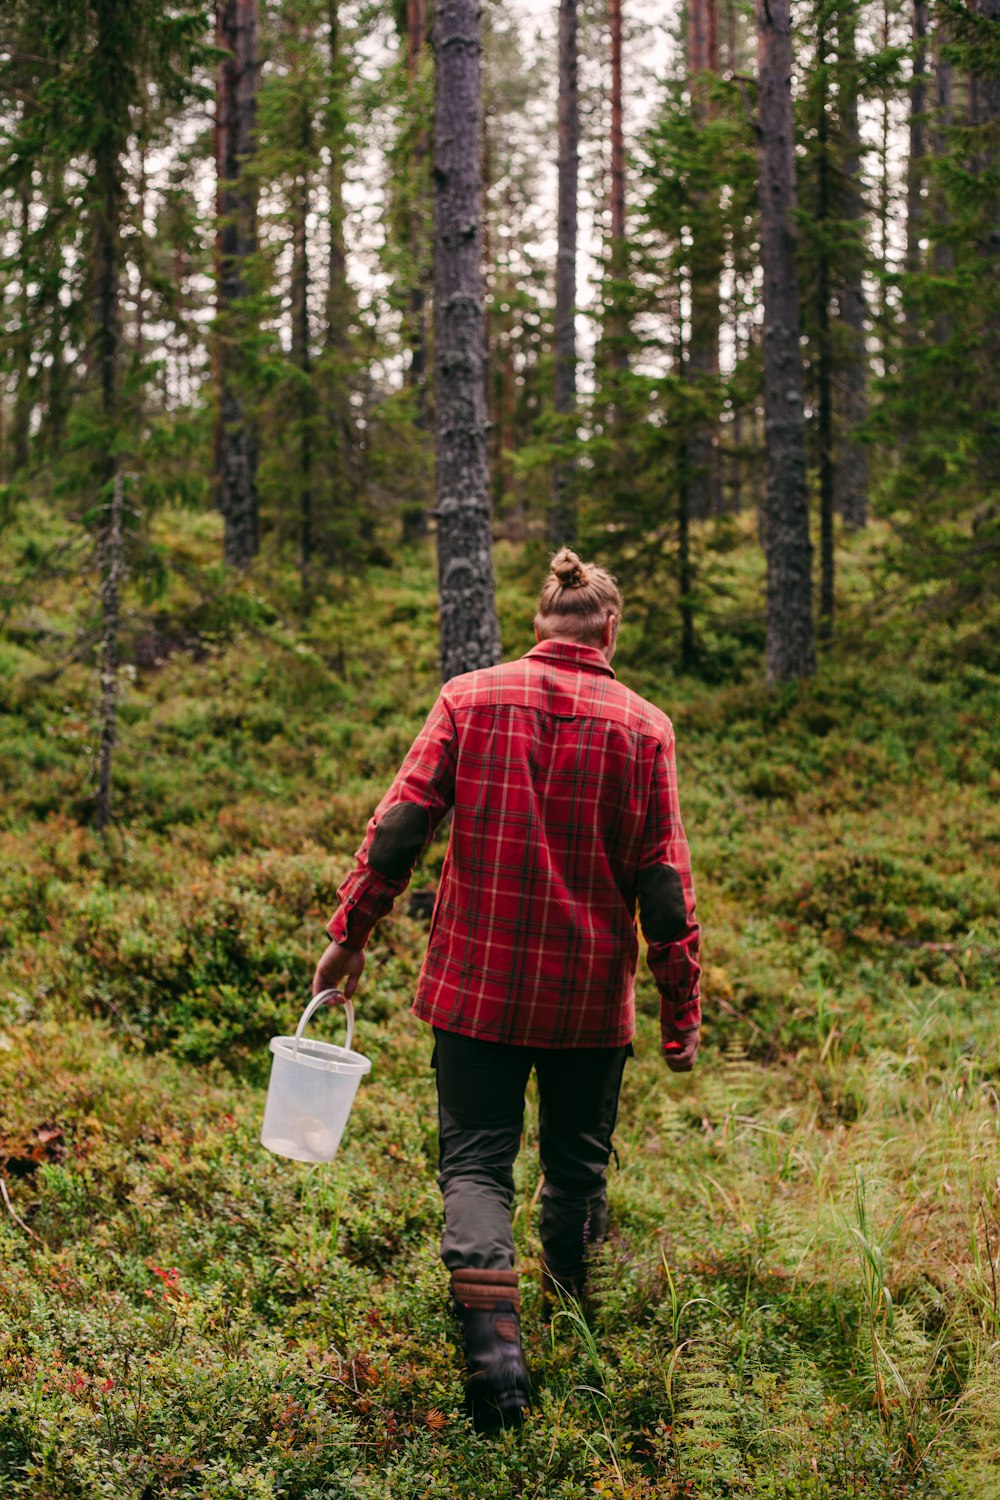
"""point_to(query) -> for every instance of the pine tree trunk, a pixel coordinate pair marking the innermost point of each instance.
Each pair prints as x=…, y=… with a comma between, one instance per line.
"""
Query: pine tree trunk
x=416, y=374
x=110, y=546
x=824, y=373
x=337, y=439
x=886, y=341
x=470, y=635
x=301, y=357
x=915, y=168
x=21, y=424
x=988, y=91
x=562, y=509
x=619, y=248
x=56, y=381
x=944, y=251
x=617, y=125
x=236, y=240
x=850, y=480
x=790, y=649
x=706, y=264
x=337, y=295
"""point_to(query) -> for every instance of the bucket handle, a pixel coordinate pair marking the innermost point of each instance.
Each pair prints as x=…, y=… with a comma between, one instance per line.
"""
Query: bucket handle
x=314, y=1005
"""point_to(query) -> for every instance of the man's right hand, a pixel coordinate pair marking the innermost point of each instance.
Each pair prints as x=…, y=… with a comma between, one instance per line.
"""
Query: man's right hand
x=339, y=963
x=680, y=1048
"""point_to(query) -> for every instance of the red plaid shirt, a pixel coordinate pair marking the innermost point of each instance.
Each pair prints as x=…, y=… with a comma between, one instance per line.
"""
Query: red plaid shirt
x=566, y=814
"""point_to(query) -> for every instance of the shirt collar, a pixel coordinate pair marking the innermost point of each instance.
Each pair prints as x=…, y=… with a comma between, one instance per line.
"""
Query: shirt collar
x=586, y=658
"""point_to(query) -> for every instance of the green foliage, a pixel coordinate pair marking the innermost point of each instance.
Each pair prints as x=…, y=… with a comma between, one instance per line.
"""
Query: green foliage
x=797, y=1301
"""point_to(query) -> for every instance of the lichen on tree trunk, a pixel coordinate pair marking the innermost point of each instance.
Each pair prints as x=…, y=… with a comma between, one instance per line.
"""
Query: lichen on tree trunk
x=470, y=636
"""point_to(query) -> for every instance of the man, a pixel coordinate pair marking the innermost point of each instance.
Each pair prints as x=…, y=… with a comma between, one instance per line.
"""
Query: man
x=566, y=818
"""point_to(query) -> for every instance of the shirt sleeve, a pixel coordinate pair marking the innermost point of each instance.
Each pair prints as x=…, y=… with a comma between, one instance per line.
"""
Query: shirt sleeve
x=399, y=830
x=665, y=890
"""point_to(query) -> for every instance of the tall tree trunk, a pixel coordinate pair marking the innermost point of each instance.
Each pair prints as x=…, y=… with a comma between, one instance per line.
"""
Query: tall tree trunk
x=417, y=372
x=301, y=357
x=337, y=437
x=944, y=251
x=619, y=248
x=706, y=266
x=21, y=424
x=988, y=92
x=824, y=403
x=850, y=480
x=110, y=548
x=236, y=241
x=916, y=168
x=470, y=635
x=562, y=510
x=57, y=392
x=617, y=125
x=337, y=295
x=886, y=341
x=790, y=649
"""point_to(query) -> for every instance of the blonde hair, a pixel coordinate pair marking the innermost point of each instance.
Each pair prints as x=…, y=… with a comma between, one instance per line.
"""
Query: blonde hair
x=576, y=599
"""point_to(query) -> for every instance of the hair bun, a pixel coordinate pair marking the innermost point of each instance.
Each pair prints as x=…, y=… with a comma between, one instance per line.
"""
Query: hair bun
x=568, y=568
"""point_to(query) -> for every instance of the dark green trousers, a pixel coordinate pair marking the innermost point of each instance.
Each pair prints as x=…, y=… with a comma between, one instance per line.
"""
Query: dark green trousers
x=480, y=1114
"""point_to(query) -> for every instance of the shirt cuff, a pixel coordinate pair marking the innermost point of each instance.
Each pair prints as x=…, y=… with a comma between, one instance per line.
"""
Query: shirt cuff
x=339, y=928
x=685, y=1016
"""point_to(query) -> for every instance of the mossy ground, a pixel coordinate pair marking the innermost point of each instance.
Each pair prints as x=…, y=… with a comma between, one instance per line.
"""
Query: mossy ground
x=799, y=1294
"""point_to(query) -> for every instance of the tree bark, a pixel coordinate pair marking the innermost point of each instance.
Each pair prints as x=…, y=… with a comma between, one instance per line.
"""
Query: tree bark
x=417, y=373
x=790, y=648
x=619, y=248
x=916, y=168
x=617, y=125
x=944, y=251
x=337, y=297
x=988, y=96
x=850, y=479
x=470, y=635
x=106, y=347
x=300, y=351
x=824, y=403
x=885, y=332
x=236, y=241
x=705, y=483
x=562, y=509
x=21, y=424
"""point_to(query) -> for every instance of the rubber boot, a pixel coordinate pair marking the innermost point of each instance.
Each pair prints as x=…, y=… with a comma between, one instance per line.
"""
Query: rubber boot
x=496, y=1377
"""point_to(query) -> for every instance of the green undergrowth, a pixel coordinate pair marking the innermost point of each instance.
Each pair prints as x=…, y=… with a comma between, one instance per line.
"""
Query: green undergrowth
x=798, y=1297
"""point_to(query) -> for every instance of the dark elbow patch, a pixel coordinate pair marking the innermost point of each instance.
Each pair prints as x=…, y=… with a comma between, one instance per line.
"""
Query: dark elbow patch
x=398, y=839
x=662, y=906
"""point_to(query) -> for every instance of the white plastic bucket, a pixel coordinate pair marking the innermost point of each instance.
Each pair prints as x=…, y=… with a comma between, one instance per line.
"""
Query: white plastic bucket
x=311, y=1090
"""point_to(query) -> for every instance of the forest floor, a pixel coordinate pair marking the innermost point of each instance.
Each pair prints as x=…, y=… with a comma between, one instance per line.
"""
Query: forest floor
x=799, y=1294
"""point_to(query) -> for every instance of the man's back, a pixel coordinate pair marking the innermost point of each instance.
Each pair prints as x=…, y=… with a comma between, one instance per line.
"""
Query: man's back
x=561, y=780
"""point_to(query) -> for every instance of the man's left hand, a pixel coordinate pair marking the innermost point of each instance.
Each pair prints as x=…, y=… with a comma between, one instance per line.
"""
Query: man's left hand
x=680, y=1047
x=339, y=968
